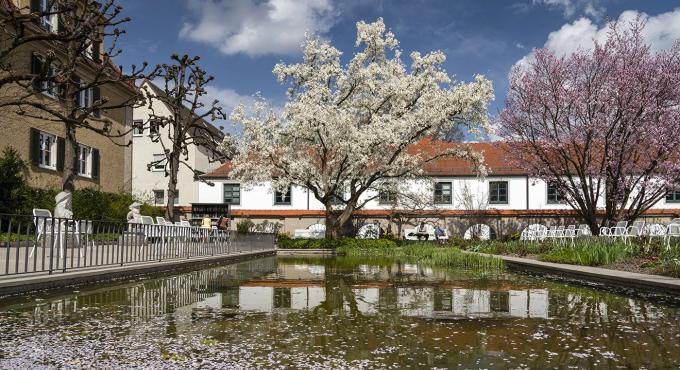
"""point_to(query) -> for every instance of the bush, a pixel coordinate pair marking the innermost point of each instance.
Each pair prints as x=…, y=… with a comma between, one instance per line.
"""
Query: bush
x=245, y=226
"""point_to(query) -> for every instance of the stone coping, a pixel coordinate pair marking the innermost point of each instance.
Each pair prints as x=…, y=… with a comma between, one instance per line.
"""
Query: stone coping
x=16, y=284
x=624, y=279
x=306, y=252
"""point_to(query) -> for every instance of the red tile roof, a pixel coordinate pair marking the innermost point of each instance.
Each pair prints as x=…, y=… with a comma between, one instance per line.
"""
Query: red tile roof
x=495, y=158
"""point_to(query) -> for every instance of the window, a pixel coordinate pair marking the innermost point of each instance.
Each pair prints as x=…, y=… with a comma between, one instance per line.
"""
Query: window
x=232, y=193
x=673, y=196
x=387, y=197
x=442, y=193
x=137, y=128
x=48, y=151
x=282, y=197
x=42, y=83
x=158, y=196
x=498, y=192
x=554, y=195
x=158, y=163
x=49, y=22
x=176, y=200
x=153, y=129
x=84, y=160
x=86, y=97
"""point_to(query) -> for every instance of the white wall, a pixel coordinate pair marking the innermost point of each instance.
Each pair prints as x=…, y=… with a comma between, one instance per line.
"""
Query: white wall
x=261, y=197
x=143, y=149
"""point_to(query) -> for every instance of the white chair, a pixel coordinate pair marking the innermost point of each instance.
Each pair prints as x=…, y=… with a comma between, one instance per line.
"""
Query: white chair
x=584, y=230
x=45, y=224
x=618, y=231
x=636, y=230
x=655, y=231
x=368, y=231
x=673, y=231
x=534, y=232
x=570, y=233
x=551, y=233
x=160, y=220
x=478, y=231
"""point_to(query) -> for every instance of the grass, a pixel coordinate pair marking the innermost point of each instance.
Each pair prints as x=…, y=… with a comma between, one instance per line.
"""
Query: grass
x=591, y=253
x=428, y=254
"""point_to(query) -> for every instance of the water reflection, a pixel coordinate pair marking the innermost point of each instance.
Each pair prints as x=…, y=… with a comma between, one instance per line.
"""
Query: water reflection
x=339, y=313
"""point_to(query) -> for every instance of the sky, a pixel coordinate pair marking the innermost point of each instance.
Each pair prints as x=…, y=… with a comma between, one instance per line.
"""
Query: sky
x=240, y=41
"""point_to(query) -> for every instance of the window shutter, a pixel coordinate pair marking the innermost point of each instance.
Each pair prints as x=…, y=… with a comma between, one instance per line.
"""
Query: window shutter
x=96, y=95
x=76, y=81
x=35, y=146
x=60, y=153
x=35, y=6
x=95, y=163
x=96, y=51
x=36, y=69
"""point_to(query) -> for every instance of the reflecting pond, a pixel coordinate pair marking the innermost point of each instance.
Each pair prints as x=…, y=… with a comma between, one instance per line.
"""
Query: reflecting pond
x=338, y=313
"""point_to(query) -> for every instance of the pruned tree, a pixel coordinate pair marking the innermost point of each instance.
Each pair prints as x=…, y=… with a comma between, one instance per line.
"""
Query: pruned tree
x=348, y=129
x=601, y=125
x=69, y=73
x=183, y=92
x=23, y=27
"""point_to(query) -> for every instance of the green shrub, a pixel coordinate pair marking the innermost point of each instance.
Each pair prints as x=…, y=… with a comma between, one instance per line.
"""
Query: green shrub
x=245, y=226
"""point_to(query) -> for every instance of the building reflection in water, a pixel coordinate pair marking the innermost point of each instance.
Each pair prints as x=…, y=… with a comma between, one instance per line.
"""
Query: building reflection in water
x=267, y=286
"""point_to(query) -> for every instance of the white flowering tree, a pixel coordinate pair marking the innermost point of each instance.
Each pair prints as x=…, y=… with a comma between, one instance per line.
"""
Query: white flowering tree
x=348, y=131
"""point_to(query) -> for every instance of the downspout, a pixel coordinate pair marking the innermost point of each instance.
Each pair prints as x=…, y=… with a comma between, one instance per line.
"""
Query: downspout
x=527, y=186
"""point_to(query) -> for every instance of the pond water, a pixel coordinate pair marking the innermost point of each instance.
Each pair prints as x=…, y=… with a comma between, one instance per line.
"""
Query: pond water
x=338, y=313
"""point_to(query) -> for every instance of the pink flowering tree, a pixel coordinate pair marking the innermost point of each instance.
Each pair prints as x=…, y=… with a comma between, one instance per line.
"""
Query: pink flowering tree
x=602, y=125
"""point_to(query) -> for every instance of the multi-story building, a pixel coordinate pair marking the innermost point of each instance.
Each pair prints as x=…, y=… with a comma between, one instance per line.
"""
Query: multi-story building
x=102, y=162
x=507, y=199
x=151, y=183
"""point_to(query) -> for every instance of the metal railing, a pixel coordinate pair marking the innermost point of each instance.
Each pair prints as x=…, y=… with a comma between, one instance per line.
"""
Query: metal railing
x=34, y=244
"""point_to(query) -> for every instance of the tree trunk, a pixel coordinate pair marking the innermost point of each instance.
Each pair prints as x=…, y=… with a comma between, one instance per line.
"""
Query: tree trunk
x=172, y=186
x=337, y=221
x=70, y=150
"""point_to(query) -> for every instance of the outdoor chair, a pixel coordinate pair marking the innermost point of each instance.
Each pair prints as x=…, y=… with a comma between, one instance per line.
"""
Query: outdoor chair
x=534, y=232
x=583, y=230
x=618, y=231
x=46, y=225
x=634, y=231
x=655, y=230
x=551, y=233
x=570, y=233
x=673, y=231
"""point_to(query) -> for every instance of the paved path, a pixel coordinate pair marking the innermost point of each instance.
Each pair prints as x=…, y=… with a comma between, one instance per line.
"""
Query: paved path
x=620, y=278
x=14, y=284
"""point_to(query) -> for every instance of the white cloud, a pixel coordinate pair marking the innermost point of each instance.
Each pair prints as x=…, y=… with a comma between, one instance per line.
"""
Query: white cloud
x=257, y=28
x=230, y=99
x=570, y=8
x=660, y=32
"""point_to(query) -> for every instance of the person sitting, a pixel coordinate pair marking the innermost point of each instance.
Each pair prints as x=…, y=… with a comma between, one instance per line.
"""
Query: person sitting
x=223, y=223
x=439, y=233
x=206, y=223
x=421, y=231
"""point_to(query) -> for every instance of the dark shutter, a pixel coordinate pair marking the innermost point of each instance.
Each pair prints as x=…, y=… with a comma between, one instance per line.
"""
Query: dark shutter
x=96, y=95
x=96, y=51
x=60, y=153
x=36, y=69
x=35, y=6
x=35, y=146
x=95, y=163
x=76, y=81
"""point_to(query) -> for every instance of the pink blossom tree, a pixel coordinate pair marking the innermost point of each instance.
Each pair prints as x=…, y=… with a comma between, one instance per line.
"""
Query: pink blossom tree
x=602, y=125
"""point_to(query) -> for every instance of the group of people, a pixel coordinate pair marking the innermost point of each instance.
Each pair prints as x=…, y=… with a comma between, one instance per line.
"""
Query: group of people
x=135, y=216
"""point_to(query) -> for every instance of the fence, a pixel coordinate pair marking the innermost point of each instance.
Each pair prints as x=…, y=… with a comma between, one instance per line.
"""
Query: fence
x=32, y=244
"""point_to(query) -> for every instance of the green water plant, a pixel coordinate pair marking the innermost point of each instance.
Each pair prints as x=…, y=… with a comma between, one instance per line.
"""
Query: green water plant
x=593, y=252
x=427, y=254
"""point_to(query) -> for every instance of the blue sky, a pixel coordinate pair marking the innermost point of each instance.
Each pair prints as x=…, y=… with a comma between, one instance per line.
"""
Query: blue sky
x=240, y=41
